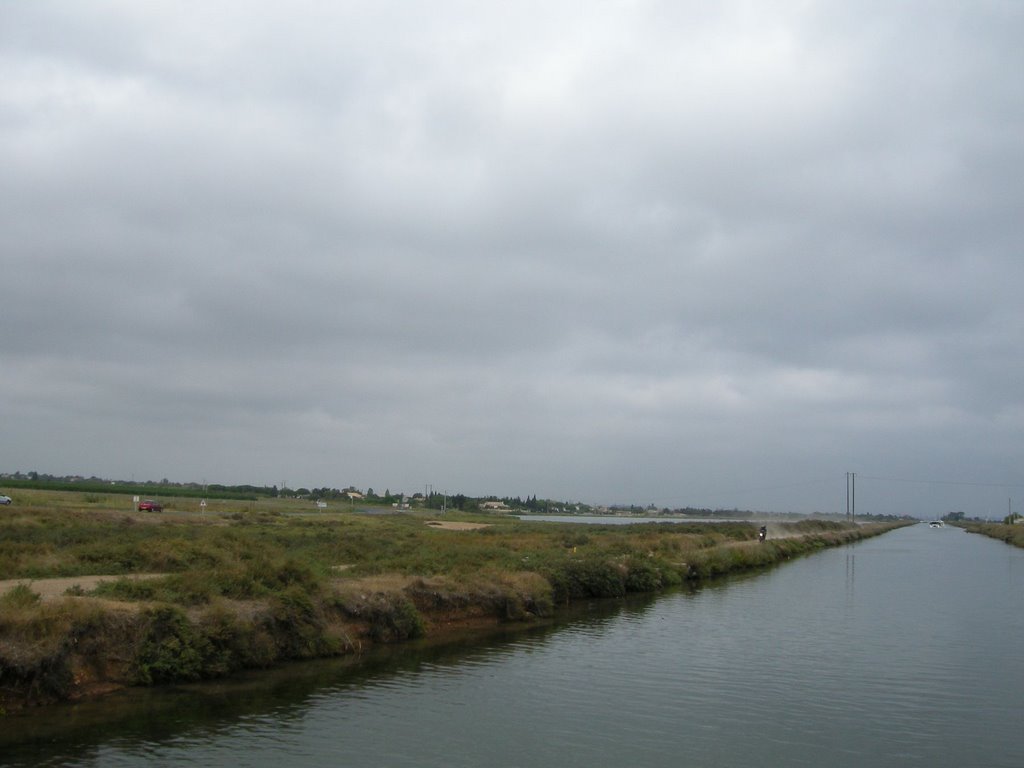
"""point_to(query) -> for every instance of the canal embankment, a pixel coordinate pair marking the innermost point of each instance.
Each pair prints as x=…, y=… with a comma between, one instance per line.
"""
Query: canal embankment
x=254, y=590
x=1011, y=533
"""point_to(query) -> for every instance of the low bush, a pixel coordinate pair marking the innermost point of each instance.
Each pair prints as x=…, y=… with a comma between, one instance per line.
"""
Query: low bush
x=527, y=595
x=578, y=578
x=647, y=575
x=19, y=597
x=389, y=616
x=299, y=626
x=38, y=642
x=249, y=580
x=171, y=648
x=233, y=643
x=509, y=596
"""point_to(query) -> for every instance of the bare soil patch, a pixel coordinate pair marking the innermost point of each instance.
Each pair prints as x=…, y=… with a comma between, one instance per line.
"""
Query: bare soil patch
x=54, y=589
x=449, y=525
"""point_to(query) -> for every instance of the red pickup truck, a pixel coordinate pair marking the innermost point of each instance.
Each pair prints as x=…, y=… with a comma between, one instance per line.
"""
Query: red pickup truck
x=150, y=506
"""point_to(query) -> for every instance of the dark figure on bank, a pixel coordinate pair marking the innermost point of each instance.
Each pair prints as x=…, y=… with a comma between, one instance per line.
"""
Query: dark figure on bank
x=762, y=534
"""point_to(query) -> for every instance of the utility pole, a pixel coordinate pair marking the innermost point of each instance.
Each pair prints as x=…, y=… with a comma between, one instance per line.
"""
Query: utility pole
x=851, y=496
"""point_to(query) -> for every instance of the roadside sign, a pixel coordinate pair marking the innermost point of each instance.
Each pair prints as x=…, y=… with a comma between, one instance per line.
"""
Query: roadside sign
x=135, y=499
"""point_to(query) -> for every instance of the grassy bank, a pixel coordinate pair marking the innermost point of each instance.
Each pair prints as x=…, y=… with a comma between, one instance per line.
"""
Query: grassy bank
x=251, y=584
x=1011, y=534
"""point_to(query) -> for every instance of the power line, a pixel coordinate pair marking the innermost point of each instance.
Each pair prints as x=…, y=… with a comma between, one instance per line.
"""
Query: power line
x=721, y=490
x=943, y=482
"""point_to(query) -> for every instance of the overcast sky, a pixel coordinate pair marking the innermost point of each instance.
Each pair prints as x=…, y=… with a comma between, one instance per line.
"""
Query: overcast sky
x=680, y=252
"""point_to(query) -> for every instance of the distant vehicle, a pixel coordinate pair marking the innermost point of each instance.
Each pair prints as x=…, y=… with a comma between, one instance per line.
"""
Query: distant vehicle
x=936, y=524
x=150, y=506
x=5, y=499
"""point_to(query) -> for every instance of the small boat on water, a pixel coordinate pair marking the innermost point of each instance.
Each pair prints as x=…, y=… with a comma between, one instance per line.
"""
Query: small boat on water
x=936, y=524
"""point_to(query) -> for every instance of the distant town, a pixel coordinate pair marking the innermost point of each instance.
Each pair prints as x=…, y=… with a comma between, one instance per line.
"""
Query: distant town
x=428, y=498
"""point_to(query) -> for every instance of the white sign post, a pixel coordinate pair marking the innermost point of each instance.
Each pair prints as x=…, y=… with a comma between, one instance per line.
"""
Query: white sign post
x=202, y=507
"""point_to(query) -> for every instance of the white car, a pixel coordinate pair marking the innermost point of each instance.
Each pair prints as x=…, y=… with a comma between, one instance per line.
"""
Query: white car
x=5, y=499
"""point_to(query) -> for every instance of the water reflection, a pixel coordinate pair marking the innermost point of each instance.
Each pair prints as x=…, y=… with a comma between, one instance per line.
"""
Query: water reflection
x=911, y=658
x=851, y=572
x=141, y=719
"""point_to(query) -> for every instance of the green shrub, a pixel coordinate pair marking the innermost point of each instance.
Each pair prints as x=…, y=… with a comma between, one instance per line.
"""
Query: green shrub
x=19, y=597
x=230, y=643
x=643, y=576
x=299, y=626
x=289, y=573
x=393, y=618
x=128, y=589
x=171, y=648
x=390, y=616
x=583, y=578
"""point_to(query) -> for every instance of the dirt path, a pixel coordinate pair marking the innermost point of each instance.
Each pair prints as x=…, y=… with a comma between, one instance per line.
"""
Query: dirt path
x=453, y=526
x=54, y=589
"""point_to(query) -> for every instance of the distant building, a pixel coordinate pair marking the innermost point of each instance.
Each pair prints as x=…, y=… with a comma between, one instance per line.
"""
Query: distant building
x=494, y=506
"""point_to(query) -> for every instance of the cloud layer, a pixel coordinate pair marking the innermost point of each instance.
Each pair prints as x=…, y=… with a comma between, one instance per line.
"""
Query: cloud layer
x=650, y=252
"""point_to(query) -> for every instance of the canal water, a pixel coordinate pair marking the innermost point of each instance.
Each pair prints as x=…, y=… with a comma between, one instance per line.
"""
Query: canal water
x=901, y=650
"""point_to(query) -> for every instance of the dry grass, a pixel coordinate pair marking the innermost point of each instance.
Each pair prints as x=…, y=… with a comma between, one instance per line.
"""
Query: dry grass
x=253, y=584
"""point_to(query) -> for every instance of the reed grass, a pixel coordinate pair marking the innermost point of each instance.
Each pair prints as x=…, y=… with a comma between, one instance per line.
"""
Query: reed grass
x=1010, y=533
x=249, y=585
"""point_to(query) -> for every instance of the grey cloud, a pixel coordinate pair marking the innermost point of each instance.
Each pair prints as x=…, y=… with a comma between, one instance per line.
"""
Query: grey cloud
x=669, y=252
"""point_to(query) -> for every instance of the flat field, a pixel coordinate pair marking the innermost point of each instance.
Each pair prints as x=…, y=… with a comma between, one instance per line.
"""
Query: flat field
x=195, y=592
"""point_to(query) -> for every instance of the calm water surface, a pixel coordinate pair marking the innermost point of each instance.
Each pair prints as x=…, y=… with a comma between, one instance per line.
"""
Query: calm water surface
x=901, y=650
